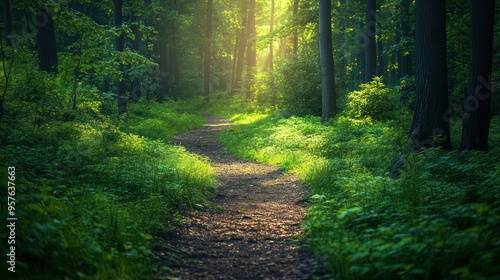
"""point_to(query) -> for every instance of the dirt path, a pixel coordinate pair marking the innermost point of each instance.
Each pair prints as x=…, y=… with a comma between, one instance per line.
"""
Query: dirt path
x=252, y=234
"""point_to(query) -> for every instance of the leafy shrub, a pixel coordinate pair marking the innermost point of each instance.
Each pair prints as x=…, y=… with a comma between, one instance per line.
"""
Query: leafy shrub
x=372, y=100
x=299, y=82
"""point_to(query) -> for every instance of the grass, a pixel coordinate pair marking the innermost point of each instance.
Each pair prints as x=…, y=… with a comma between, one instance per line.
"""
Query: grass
x=93, y=192
x=439, y=220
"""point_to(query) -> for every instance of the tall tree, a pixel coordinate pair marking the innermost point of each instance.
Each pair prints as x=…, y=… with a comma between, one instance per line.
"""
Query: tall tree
x=207, y=52
x=162, y=54
x=240, y=48
x=370, y=43
x=251, y=50
x=326, y=51
x=175, y=68
x=7, y=22
x=429, y=126
x=476, y=120
x=119, y=45
x=46, y=41
x=271, y=26
x=405, y=55
x=295, y=31
x=380, y=50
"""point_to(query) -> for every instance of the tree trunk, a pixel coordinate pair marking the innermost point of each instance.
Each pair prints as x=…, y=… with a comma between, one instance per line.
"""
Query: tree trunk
x=370, y=43
x=380, y=49
x=135, y=29
x=235, y=59
x=476, y=119
x=163, y=64
x=341, y=61
x=326, y=51
x=174, y=58
x=296, y=31
x=271, y=26
x=241, y=48
x=46, y=41
x=207, y=51
x=7, y=22
x=136, y=91
x=119, y=44
x=430, y=127
x=405, y=56
x=251, y=51
x=360, y=59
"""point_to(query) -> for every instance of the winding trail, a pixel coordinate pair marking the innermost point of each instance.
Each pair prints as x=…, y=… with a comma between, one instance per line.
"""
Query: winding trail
x=251, y=232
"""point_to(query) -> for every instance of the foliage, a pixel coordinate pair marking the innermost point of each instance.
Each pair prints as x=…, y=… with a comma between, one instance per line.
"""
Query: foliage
x=373, y=100
x=299, y=82
x=163, y=121
x=440, y=219
x=88, y=178
x=91, y=197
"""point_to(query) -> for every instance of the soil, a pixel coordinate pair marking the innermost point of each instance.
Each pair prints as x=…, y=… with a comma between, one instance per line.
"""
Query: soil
x=253, y=230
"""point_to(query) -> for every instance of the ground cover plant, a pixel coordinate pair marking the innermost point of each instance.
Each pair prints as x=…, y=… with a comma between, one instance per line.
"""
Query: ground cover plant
x=440, y=219
x=92, y=192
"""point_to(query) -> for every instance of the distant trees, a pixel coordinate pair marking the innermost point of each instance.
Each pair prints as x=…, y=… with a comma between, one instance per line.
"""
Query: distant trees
x=327, y=68
x=405, y=54
x=240, y=47
x=207, y=52
x=46, y=41
x=370, y=43
x=119, y=44
x=271, y=44
x=251, y=52
x=296, y=31
x=7, y=22
x=429, y=127
x=162, y=48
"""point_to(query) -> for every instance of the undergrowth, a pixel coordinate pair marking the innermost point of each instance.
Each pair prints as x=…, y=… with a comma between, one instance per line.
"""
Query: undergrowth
x=439, y=220
x=92, y=192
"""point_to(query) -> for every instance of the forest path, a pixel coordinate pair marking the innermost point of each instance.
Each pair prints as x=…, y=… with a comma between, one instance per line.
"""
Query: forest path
x=250, y=233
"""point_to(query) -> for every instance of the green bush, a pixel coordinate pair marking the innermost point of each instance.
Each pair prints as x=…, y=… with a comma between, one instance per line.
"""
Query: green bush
x=373, y=100
x=299, y=82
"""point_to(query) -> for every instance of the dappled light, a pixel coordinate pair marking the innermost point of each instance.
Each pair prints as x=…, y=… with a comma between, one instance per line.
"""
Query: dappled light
x=250, y=139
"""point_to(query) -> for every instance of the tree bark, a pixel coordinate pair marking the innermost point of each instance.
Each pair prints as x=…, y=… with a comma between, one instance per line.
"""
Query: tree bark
x=476, y=119
x=46, y=41
x=405, y=56
x=430, y=127
x=241, y=48
x=7, y=22
x=207, y=51
x=271, y=26
x=119, y=44
x=296, y=31
x=370, y=43
x=380, y=49
x=163, y=64
x=174, y=57
x=251, y=51
x=326, y=51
